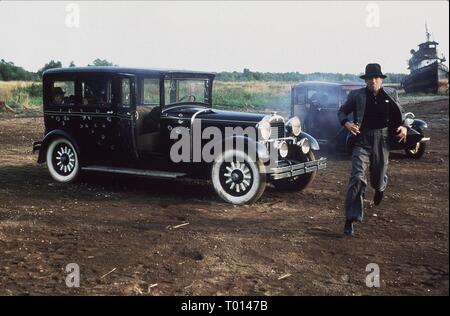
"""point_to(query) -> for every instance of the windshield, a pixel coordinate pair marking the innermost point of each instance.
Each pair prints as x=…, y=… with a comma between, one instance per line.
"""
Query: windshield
x=322, y=96
x=187, y=90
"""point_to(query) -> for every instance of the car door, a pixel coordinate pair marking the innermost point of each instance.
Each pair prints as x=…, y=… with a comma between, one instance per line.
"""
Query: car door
x=147, y=119
x=124, y=113
x=95, y=116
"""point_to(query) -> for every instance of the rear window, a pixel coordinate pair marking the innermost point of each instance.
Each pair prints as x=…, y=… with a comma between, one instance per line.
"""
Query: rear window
x=62, y=93
x=96, y=92
x=92, y=91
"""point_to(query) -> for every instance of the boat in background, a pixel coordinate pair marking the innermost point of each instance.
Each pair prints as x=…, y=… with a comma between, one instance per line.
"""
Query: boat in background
x=427, y=71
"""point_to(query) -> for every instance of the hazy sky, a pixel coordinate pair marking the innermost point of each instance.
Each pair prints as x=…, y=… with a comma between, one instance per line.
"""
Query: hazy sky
x=217, y=36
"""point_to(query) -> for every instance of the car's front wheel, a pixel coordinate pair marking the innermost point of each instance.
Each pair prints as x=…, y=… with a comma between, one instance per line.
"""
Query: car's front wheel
x=237, y=179
x=417, y=151
x=62, y=160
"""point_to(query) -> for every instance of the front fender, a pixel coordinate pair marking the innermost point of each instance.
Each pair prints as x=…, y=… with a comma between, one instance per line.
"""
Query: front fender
x=419, y=124
x=312, y=141
x=49, y=137
x=261, y=150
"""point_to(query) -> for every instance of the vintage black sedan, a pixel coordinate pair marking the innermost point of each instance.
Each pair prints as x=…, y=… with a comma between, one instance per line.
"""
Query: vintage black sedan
x=160, y=123
x=317, y=103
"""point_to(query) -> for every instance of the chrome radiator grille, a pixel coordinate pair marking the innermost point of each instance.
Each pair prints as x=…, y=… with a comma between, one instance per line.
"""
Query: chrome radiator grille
x=277, y=130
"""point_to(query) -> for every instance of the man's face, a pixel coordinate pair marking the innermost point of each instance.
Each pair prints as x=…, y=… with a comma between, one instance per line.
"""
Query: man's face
x=58, y=99
x=374, y=84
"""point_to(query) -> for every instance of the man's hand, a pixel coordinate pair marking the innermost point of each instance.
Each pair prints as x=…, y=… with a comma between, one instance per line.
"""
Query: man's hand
x=352, y=128
x=402, y=131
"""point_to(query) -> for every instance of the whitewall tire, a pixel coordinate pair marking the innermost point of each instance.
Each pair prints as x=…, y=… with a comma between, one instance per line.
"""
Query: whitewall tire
x=237, y=179
x=62, y=160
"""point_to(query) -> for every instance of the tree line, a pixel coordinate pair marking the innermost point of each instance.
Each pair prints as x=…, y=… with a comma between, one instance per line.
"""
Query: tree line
x=10, y=71
x=248, y=75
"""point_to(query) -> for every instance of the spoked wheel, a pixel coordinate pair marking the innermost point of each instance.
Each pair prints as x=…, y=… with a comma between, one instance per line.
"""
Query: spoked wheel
x=416, y=152
x=237, y=179
x=62, y=160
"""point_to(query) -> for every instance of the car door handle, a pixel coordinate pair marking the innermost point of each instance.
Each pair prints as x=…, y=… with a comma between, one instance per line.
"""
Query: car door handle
x=109, y=112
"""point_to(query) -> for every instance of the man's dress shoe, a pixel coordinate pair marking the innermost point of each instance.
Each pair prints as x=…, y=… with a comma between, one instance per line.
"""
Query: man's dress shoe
x=348, y=228
x=378, y=197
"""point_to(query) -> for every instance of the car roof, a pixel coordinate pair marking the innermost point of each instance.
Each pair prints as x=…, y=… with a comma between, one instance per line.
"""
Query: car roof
x=127, y=70
x=328, y=83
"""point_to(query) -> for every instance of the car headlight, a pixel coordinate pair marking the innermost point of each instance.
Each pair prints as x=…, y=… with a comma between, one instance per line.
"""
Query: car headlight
x=294, y=126
x=304, y=145
x=264, y=130
x=283, y=149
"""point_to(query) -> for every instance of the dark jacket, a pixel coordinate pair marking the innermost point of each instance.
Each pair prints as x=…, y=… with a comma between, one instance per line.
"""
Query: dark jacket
x=356, y=100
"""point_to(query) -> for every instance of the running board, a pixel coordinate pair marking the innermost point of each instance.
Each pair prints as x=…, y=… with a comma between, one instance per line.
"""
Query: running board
x=136, y=172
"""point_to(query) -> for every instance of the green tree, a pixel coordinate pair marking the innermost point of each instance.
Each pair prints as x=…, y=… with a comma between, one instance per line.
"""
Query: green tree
x=72, y=64
x=9, y=71
x=50, y=65
x=102, y=62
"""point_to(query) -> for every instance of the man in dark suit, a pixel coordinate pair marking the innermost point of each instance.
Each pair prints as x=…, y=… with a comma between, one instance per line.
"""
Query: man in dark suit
x=377, y=118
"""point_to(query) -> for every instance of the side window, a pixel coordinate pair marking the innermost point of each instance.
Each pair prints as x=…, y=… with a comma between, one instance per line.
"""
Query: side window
x=313, y=95
x=126, y=92
x=170, y=90
x=63, y=93
x=300, y=96
x=150, y=92
x=96, y=92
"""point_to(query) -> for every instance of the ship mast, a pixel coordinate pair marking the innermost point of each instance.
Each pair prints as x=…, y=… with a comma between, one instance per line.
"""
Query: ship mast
x=427, y=33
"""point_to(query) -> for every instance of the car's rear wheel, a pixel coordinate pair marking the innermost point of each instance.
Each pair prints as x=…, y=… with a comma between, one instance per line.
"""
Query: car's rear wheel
x=62, y=160
x=237, y=179
x=298, y=183
x=416, y=152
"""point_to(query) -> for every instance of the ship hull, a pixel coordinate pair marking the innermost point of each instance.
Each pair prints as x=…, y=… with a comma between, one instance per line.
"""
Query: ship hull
x=430, y=79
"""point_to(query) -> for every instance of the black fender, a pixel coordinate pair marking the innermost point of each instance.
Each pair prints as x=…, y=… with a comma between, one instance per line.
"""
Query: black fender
x=312, y=141
x=419, y=125
x=49, y=137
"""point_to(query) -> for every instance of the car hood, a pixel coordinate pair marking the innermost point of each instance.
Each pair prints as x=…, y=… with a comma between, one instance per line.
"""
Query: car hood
x=213, y=114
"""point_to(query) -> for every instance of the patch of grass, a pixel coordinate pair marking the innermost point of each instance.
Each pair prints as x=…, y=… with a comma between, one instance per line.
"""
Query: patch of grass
x=406, y=98
x=257, y=95
x=21, y=95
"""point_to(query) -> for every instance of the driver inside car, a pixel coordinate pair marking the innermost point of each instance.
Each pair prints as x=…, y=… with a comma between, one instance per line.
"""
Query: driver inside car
x=58, y=96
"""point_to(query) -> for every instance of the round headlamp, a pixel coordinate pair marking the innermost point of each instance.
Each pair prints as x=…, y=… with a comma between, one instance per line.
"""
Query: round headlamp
x=294, y=126
x=264, y=130
x=304, y=145
x=283, y=149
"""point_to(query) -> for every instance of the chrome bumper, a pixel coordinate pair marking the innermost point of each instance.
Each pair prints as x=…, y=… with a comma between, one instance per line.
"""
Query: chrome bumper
x=292, y=170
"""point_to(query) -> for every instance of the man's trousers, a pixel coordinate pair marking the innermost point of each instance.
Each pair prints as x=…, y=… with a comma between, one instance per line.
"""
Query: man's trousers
x=371, y=151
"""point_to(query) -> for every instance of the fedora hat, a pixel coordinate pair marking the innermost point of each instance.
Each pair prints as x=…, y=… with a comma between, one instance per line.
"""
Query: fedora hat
x=373, y=70
x=58, y=90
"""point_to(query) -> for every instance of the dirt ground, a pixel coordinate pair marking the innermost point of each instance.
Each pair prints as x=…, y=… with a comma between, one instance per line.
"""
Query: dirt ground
x=285, y=244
